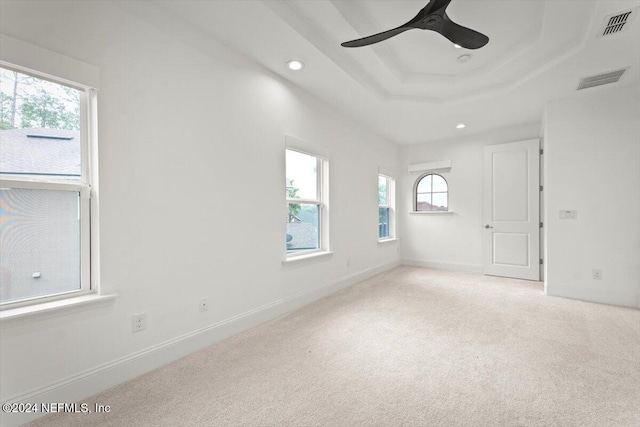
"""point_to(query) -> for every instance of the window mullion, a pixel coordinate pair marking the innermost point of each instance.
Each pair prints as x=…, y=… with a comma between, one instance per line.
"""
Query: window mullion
x=34, y=184
x=305, y=201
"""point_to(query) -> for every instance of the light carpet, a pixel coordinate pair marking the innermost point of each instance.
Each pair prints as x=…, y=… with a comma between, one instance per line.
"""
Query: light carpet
x=410, y=347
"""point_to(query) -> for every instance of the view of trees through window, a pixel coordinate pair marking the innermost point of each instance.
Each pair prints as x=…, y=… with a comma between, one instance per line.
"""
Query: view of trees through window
x=383, y=206
x=303, y=201
x=29, y=102
x=39, y=127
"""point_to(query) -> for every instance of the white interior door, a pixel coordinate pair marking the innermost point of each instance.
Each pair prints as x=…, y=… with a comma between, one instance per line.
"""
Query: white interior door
x=511, y=235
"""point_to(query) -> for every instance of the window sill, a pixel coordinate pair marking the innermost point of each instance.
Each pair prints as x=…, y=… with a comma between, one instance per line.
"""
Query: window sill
x=304, y=257
x=48, y=307
x=431, y=212
x=388, y=240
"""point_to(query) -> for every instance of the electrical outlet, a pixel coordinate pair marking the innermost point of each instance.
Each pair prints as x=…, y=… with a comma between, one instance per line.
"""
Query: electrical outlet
x=348, y=263
x=204, y=304
x=597, y=274
x=139, y=322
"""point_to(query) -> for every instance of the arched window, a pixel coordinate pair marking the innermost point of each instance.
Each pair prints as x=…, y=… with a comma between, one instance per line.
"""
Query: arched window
x=431, y=194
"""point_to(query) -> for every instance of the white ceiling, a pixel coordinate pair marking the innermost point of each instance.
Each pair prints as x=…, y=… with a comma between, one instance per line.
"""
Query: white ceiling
x=411, y=88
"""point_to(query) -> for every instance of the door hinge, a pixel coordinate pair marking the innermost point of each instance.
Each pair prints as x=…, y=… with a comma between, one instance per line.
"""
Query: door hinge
x=541, y=225
x=541, y=261
x=541, y=151
x=541, y=188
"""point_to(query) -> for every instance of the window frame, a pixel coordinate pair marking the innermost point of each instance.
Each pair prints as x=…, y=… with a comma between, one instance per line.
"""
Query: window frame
x=322, y=201
x=391, y=206
x=85, y=186
x=415, y=193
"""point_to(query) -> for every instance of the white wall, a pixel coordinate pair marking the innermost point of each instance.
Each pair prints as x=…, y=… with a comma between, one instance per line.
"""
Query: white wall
x=592, y=155
x=451, y=241
x=192, y=201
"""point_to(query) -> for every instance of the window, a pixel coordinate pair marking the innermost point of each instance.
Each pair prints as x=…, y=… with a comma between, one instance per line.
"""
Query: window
x=431, y=194
x=306, y=197
x=45, y=188
x=386, y=207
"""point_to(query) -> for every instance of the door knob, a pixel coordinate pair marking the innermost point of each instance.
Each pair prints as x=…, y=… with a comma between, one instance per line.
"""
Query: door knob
x=488, y=226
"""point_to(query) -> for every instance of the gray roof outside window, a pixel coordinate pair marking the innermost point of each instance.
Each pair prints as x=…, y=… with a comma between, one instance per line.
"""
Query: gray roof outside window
x=37, y=151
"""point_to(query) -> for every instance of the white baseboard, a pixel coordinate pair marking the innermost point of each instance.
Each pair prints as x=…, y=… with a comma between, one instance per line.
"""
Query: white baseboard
x=92, y=381
x=465, y=268
x=594, y=295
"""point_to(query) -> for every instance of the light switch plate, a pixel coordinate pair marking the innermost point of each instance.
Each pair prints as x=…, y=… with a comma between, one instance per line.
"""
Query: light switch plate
x=568, y=214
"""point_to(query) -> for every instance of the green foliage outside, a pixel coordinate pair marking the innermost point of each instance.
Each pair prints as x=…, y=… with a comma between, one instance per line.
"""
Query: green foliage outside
x=45, y=111
x=292, y=193
x=5, y=110
x=382, y=201
x=28, y=102
x=382, y=193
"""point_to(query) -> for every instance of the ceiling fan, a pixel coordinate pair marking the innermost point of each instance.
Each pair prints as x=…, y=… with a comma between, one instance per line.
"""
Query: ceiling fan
x=432, y=17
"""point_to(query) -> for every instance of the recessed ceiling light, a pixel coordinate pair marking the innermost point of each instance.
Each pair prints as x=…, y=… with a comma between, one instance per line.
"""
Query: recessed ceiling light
x=464, y=58
x=461, y=126
x=295, y=65
x=457, y=46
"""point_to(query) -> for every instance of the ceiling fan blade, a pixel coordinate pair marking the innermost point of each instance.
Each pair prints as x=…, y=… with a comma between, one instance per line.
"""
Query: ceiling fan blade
x=434, y=6
x=365, y=41
x=462, y=36
x=431, y=17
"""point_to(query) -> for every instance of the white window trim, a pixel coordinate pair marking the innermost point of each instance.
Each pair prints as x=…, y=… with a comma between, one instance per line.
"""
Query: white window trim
x=391, y=204
x=322, y=182
x=388, y=240
x=46, y=64
x=87, y=185
x=34, y=310
x=431, y=212
x=442, y=166
x=307, y=256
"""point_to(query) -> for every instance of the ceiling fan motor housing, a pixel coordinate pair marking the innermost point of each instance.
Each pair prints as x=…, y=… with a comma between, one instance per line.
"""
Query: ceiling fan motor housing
x=431, y=22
